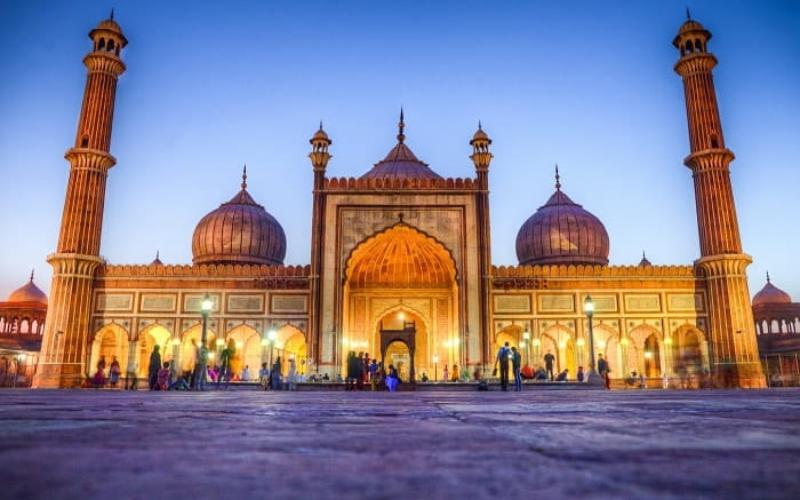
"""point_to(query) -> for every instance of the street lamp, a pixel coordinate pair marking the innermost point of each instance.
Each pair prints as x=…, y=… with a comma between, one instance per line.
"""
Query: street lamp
x=205, y=309
x=592, y=377
x=436, y=367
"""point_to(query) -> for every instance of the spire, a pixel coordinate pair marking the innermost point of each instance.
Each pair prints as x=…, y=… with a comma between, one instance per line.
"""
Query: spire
x=320, y=125
x=688, y=15
x=400, y=136
x=157, y=255
x=479, y=125
x=244, y=177
x=767, y=277
x=112, y=14
x=558, y=179
x=32, y=270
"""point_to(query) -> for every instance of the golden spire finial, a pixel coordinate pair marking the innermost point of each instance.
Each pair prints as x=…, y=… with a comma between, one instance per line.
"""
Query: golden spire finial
x=558, y=179
x=400, y=136
x=244, y=177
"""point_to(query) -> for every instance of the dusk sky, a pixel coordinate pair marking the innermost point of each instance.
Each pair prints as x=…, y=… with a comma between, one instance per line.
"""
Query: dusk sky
x=589, y=85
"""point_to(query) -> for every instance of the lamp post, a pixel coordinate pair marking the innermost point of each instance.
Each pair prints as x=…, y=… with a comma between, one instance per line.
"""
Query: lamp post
x=592, y=377
x=436, y=367
x=205, y=309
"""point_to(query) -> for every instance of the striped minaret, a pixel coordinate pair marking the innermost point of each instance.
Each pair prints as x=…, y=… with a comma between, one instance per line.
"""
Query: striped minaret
x=733, y=349
x=65, y=344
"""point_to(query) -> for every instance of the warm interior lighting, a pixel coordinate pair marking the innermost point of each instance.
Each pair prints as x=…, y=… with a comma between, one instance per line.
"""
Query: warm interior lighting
x=601, y=344
x=624, y=341
x=581, y=342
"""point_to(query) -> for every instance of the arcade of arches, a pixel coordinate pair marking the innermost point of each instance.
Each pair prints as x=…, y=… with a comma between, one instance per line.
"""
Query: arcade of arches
x=250, y=348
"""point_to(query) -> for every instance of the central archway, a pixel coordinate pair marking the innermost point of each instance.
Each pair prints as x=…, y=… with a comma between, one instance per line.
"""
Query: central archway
x=402, y=270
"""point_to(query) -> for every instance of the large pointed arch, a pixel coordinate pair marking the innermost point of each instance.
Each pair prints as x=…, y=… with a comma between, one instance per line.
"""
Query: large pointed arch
x=400, y=256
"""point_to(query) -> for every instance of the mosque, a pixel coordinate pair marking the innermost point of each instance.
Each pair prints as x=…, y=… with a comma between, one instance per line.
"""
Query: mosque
x=400, y=267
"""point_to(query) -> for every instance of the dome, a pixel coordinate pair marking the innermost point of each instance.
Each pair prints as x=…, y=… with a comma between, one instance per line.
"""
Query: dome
x=480, y=135
x=320, y=135
x=562, y=232
x=771, y=294
x=239, y=232
x=109, y=24
x=644, y=262
x=28, y=293
x=690, y=25
x=401, y=163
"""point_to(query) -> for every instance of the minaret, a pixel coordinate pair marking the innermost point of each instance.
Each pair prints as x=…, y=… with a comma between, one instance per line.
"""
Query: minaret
x=66, y=339
x=733, y=348
x=319, y=161
x=481, y=157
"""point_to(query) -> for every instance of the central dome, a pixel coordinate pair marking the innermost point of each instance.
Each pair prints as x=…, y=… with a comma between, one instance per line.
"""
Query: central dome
x=239, y=232
x=401, y=163
x=562, y=232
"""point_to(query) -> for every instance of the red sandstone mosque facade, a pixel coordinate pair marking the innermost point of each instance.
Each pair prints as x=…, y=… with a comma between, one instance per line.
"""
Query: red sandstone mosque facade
x=400, y=267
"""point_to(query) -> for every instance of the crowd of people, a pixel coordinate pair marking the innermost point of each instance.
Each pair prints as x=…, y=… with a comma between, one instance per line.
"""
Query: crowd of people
x=509, y=360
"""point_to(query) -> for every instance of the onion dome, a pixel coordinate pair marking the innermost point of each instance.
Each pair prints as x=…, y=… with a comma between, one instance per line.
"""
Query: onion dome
x=562, y=232
x=156, y=261
x=771, y=294
x=239, y=232
x=644, y=262
x=28, y=293
x=401, y=163
x=480, y=135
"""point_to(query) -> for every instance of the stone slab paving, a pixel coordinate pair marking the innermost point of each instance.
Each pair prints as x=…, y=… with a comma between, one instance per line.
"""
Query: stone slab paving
x=455, y=445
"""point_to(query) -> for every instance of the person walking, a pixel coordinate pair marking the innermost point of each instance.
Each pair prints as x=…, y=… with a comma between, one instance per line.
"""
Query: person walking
x=516, y=362
x=502, y=359
x=154, y=367
x=263, y=376
x=548, y=364
x=225, y=359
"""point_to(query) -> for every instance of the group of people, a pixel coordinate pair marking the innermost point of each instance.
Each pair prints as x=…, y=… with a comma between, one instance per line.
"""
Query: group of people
x=99, y=379
x=509, y=357
x=361, y=370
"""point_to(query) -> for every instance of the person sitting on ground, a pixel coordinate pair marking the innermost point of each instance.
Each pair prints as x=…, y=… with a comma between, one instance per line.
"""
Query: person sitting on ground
x=581, y=376
x=477, y=374
x=425, y=377
x=162, y=378
x=392, y=379
x=180, y=383
x=526, y=372
x=99, y=379
x=540, y=374
x=325, y=378
x=562, y=377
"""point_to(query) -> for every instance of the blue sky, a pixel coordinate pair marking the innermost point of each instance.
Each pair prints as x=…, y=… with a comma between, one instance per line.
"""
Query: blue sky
x=213, y=85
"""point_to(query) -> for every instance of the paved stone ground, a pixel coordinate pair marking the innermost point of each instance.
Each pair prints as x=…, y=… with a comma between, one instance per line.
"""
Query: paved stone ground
x=455, y=445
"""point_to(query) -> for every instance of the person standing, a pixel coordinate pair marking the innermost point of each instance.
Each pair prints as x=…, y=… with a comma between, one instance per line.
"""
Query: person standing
x=113, y=373
x=225, y=359
x=275, y=375
x=502, y=359
x=263, y=376
x=245, y=373
x=603, y=369
x=548, y=364
x=154, y=367
x=445, y=373
x=454, y=375
x=516, y=362
x=291, y=377
x=392, y=379
x=132, y=375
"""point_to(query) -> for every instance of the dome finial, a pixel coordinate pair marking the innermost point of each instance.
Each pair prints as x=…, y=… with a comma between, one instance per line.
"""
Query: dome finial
x=688, y=14
x=32, y=270
x=479, y=125
x=320, y=124
x=244, y=177
x=558, y=179
x=400, y=136
x=767, y=276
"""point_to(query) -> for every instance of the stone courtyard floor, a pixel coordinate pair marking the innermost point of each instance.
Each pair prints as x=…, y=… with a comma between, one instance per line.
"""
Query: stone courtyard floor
x=237, y=445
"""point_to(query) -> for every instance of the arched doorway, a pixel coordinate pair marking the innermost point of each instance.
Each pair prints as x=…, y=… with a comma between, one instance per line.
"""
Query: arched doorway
x=398, y=354
x=110, y=342
x=652, y=357
x=155, y=334
x=402, y=275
